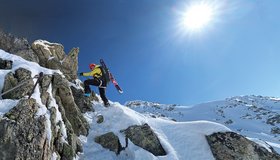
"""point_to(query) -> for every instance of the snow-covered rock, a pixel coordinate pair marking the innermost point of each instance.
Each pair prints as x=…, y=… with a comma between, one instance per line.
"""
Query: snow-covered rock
x=52, y=55
x=17, y=46
x=55, y=122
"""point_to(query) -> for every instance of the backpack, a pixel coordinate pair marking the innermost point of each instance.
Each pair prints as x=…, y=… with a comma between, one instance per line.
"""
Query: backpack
x=105, y=73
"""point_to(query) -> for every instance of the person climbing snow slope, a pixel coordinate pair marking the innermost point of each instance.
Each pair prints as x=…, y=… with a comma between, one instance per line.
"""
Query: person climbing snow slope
x=98, y=80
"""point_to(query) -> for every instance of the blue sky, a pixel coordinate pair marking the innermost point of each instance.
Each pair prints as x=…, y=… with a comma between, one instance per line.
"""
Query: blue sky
x=151, y=57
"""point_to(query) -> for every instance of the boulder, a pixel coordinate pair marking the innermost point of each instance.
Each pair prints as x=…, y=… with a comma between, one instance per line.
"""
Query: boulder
x=232, y=146
x=144, y=137
x=52, y=55
x=100, y=119
x=109, y=141
x=6, y=64
x=19, y=139
x=17, y=46
x=21, y=78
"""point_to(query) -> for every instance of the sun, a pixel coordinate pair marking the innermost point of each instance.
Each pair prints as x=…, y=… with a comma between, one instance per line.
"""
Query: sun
x=197, y=16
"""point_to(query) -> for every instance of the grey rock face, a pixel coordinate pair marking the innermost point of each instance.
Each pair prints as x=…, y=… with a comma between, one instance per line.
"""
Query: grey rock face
x=19, y=139
x=84, y=103
x=144, y=137
x=109, y=141
x=71, y=115
x=67, y=151
x=273, y=120
x=275, y=130
x=23, y=134
x=232, y=146
x=6, y=64
x=17, y=46
x=52, y=55
x=21, y=76
x=100, y=119
x=63, y=93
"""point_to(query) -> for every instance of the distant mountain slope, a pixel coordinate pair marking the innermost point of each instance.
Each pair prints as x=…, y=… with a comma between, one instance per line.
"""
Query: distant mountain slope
x=256, y=117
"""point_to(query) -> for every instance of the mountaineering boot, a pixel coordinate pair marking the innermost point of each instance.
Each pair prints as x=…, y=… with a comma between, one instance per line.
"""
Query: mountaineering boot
x=107, y=104
x=87, y=94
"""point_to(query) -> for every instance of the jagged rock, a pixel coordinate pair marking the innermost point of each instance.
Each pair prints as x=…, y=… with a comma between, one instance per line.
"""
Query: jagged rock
x=100, y=119
x=70, y=133
x=17, y=136
x=228, y=122
x=72, y=112
x=21, y=76
x=275, y=130
x=6, y=64
x=19, y=139
x=84, y=103
x=109, y=141
x=65, y=150
x=232, y=146
x=44, y=85
x=17, y=46
x=52, y=55
x=273, y=120
x=144, y=137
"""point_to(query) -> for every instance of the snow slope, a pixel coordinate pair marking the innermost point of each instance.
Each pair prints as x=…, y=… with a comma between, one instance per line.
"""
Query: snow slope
x=181, y=140
x=256, y=117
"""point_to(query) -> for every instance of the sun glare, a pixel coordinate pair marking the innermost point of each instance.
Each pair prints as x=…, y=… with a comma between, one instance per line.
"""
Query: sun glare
x=197, y=16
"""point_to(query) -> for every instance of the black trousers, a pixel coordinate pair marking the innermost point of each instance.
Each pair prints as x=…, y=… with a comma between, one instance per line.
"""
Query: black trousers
x=97, y=82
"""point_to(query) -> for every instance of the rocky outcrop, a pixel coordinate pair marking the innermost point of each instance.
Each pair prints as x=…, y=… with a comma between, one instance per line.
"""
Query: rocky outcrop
x=49, y=55
x=109, y=141
x=64, y=97
x=141, y=135
x=144, y=137
x=6, y=64
x=56, y=131
x=232, y=146
x=19, y=139
x=21, y=79
x=52, y=55
x=17, y=46
x=75, y=123
x=84, y=103
x=274, y=120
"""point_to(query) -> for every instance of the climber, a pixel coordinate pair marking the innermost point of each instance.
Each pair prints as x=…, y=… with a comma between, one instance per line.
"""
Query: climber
x=98, y=80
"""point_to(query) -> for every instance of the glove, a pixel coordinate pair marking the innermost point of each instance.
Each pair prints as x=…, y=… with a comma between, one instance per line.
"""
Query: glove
x=81, y=74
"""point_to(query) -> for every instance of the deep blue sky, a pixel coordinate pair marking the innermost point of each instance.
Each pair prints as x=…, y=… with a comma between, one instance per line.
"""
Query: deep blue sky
x=151, y=58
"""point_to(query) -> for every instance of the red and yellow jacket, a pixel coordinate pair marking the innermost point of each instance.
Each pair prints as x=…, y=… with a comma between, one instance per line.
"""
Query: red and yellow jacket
x=96, y=72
